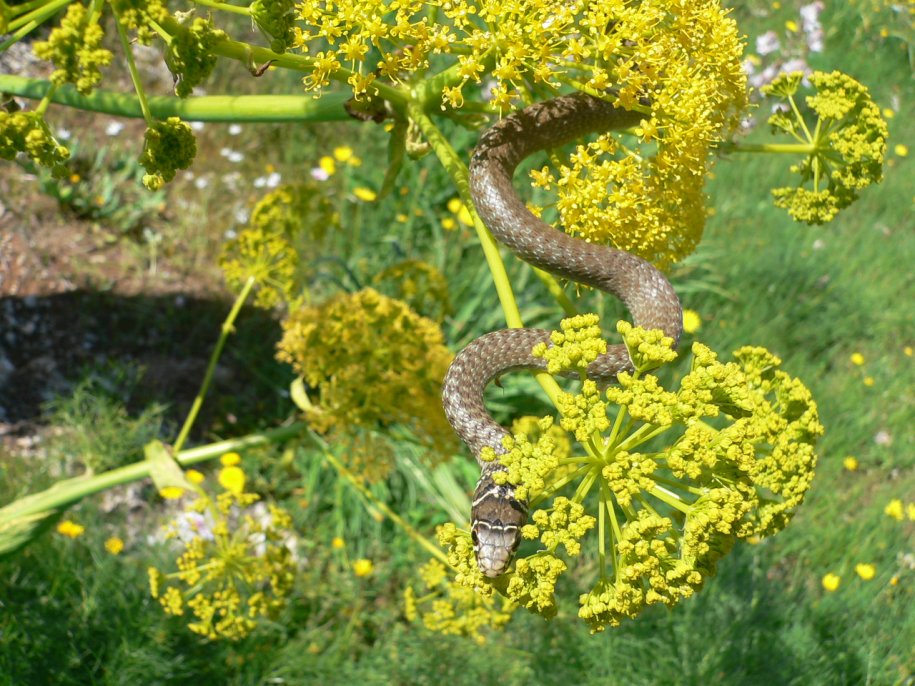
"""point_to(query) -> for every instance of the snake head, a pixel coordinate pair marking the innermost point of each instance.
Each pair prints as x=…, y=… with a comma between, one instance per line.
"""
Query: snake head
x=496, y=520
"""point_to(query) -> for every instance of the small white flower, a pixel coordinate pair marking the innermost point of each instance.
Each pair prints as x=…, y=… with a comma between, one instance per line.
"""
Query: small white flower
x=114, y=128
x=64, y=134
x=230, y=234
x=197, y=125
x=232, y=155
x=767, y=43
x=234, y=129
x=319, y=174
x=201, y=182
x=241, y=215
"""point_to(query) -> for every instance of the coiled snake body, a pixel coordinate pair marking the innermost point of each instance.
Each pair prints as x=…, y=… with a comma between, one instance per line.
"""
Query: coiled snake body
x=497, y=516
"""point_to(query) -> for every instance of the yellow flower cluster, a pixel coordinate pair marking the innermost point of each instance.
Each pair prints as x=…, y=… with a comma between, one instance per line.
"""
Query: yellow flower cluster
x=28, y=132
x=575, y=346
x=235, y=566
x=284, y=223
x=528, y=464
x=75, y=49
x=449, y=608
x=373, y=362
x=735, y=460
x=847, y=145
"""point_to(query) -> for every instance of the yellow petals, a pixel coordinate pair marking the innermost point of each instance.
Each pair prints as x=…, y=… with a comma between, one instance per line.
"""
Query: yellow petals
x=901, y=150
x=328, y=164
x=343, y=153
x=894, y=509
x=171, y=492
x=232, y=479
x=908, y=351
x=365, y=194
x=888, y=113
x=363, y=567
x=337, y=543
x=449, y=224
x=831, y=582
x=868, y=381
x=230, y=459
x=70, y=529
x=114, y=545
x=865, y=571
x=791, y=25
x=910, y=511
x=691, y=321
x=194, y=476
x=850, y=463
x=857, y=358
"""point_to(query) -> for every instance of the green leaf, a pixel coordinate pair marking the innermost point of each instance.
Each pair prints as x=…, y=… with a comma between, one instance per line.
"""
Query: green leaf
x=163, y=468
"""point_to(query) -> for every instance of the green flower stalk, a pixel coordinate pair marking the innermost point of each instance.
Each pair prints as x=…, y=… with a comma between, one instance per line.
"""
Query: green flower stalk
x=845, y=149
x=669, y=480
x=75, y=49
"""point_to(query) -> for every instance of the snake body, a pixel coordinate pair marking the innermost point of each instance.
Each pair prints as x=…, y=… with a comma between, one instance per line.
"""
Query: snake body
x=497, y=515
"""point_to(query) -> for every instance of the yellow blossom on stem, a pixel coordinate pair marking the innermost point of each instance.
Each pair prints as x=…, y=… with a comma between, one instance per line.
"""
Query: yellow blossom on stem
x=70, y=529
x=894, y=509
x=865, y=571
x=831, y=581
x=850, y=463
x=363, y=567
x=692, y=322
x=114, y=545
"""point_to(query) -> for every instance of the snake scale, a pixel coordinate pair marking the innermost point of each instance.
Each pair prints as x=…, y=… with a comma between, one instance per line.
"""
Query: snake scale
x=497, y=515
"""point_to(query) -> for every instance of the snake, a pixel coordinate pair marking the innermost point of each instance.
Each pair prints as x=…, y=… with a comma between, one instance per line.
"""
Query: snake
x=497, y=515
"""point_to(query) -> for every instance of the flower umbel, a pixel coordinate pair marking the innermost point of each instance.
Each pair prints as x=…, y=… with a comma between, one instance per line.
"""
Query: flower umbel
x=847, y=144
x=233, y=572
x=670, y=480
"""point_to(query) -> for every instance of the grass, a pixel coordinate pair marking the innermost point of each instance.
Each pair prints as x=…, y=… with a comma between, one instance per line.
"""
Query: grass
x=72, y=614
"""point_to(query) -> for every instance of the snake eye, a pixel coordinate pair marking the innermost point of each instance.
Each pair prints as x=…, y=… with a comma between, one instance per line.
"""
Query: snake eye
x=474, y=538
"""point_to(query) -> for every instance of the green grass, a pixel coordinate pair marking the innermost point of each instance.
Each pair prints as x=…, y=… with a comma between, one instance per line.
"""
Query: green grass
x=72, y=614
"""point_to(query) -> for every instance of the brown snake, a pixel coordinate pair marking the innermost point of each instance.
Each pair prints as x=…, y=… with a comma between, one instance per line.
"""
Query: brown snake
x=497, y=516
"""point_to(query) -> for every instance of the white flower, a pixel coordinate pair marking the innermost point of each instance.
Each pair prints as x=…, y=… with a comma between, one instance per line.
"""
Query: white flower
x=234, y=129
x=114, y=128
x=232, y=155
x=810, y=15
x=201, y=182
x=767, y=43
x=64, y=134
x=197, y=125
x=319, y=174
x=270, y=181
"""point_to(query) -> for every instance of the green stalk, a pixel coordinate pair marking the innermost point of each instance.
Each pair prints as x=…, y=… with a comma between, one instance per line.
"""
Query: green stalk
x=548, y=491
x=559, y=295
x=643, y=434
x=23, y=519
x=132, y=67
x=225, y=330
x=28, y=22
x=383, y=507
x=786, y=148
x=670, y=498
x=236, y=9
x=208, y=108
x=616, y=533
x=459, y=175
x=26, y=7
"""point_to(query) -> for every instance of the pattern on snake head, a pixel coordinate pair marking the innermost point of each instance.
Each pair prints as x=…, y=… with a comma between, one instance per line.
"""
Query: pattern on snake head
x=497, y=517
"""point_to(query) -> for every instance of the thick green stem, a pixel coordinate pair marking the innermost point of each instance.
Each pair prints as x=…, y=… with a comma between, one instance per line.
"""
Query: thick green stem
x=783, y=148
x=670, y=498
x=223, y=7
x=134, y=73
x=209, y=108
x=70, y=491
x=227, y=327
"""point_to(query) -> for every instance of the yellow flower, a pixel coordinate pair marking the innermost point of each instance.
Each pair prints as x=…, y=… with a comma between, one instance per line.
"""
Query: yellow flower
x=449, y=224
x=831, y=581
x=857, y=358
x=888, y=113
x=343, y=153
x=908, y=351
x=910, y=511
x=232, y=479
x=865, y=571
x=691, y=321
x=74, y=178
x=894, y=509
x=894, y=580
x=70, y=529
x=850, y=463
x=194, y=476
x=337, y=543
x=901, y=150
x=171, y=492
x=230, y=459
x=114, y=545
x=791, y=25
x=328, y=165
x=363, y=567
x=868, y=381
x=365, y=194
